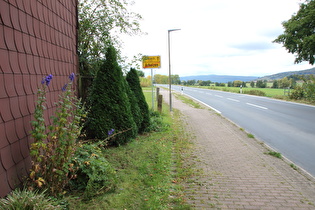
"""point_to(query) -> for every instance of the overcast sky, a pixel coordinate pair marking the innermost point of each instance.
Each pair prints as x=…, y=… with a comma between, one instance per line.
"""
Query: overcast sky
x=223, y=37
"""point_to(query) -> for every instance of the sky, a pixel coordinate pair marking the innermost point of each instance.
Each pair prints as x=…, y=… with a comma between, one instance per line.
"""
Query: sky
x=222, y=37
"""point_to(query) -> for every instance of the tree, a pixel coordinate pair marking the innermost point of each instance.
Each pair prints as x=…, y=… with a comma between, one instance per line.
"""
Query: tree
x=175, y=79
x=275, y=84
x=140, y=73
x=100, y=23
x=134, y=83
x=261, y=84
x=299, y=35
x=110, y=108
x=237, y=83
x=160, y=79
x=204, y=83
x=252, y=84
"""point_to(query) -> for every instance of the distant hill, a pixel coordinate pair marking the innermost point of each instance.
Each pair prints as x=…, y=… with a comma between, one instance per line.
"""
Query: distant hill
x=219, y=78
x=285, y=74
x=229, y=78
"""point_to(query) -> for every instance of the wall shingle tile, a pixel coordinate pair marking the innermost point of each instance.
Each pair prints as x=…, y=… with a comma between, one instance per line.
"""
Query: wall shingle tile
x=21, y=170
x=16, y=152
x=26, y=44
x=37, y=66
x=10, y=132
x=5, y=110
x=29, y=23
x=33, y=45
x=4, y=186
x=14, y=15
x=23, y=105
x=23, y=24
x=9, y=85
x=13, y=2
x=24, y=147
x=13, y=178
x=2, y=42
x=23, y=63
x=3, y=93
x=9, y=39
x=6, y=158
x=19, y=87
x=18, y=37
x=3, y=139
x=27, y=84
x=13, y=58
x=5, y=13
x=15, y=109
x=30, y=64
x=27, y=124
x=27, y=6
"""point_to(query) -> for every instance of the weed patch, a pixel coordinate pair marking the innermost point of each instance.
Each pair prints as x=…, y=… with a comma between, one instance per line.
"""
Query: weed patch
x=275, y=154
x=249, y=135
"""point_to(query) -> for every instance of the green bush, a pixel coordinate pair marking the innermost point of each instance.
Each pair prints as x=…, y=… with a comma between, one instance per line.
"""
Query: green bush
x=134, y=83
x=255, y=92
x=28, y=200
x=156, y=122
x=297, y=93
x=93, y=173
x=134, y=106
x=109, y=104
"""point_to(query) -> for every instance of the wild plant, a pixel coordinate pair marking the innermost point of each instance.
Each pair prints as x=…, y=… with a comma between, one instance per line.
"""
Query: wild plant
x=53, y=148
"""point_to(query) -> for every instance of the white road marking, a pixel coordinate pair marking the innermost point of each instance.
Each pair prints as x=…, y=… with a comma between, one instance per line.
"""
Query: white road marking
x=231, y=99
x=218, y=96
x=261, y=107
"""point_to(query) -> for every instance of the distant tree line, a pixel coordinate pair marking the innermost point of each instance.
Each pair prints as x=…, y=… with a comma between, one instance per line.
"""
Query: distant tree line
x=164, y=79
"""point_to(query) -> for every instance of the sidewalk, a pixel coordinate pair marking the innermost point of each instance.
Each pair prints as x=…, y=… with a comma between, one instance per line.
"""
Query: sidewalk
x=237, y=172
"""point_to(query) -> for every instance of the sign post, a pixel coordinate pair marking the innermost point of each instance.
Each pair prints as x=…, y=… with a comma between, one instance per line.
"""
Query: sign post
x=151, y=62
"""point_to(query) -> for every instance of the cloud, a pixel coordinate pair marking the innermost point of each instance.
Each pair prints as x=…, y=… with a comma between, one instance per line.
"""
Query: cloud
x=253, y=46
x=216, y=37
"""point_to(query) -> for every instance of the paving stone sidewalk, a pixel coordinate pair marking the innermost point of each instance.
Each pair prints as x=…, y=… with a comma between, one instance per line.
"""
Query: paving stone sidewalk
x=237, y=171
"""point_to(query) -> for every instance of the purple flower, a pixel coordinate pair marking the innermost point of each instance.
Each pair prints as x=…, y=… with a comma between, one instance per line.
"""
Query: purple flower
x=47, y=79
x=110, y=132
x=64, y=88
x=71, y=76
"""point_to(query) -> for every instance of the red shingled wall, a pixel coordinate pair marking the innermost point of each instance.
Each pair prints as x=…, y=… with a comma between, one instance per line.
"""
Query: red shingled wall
x=37, y=38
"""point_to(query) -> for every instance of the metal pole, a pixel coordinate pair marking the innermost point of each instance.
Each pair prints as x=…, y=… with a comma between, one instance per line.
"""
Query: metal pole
x=169, y=70
x=169, y=67
x=152, y=90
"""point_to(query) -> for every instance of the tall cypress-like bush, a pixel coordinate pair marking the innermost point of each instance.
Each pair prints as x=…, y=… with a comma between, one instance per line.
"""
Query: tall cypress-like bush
x=134, y=106
x=134, y=83
x=110, y=112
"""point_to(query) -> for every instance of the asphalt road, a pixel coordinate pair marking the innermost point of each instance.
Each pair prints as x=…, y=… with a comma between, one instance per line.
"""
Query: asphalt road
x=287, y=127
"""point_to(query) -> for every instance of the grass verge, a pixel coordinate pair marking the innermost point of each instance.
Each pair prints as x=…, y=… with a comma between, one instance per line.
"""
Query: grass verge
x=149, y=171
x=188, y=101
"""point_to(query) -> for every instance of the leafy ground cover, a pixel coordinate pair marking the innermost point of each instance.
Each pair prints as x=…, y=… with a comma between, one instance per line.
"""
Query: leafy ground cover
x=149, y=170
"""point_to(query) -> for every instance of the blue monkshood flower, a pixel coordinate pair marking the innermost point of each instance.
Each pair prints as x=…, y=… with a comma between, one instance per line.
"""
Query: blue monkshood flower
x=71, y=76
x=110, y=132
x=64, y=88
x=47, y=79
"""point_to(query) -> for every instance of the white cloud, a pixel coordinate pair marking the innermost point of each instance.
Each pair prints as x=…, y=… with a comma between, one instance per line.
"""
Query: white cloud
x=216, y=37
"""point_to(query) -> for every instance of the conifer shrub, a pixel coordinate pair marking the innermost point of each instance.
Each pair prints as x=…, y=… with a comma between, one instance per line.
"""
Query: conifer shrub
x=134, y=83
x=134, y=106
x=109, y=106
